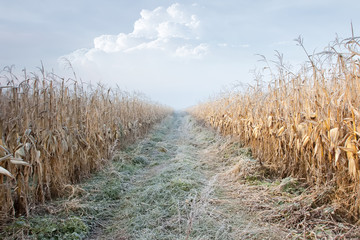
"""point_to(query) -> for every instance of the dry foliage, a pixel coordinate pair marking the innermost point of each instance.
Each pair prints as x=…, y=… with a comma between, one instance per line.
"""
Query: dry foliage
x=305, y=125
x=53, y=132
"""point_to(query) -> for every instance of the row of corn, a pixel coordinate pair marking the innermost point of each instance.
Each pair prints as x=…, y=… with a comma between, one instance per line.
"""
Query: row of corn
x=53, y=132
x=305, y=125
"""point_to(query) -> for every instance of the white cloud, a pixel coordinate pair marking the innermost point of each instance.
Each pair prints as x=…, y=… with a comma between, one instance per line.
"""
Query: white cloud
x=171, y=29
x=190, y=51
x=164, y=55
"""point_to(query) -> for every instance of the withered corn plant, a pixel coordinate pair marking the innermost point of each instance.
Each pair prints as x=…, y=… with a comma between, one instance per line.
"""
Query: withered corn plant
x=305, y=125
x=54, y=132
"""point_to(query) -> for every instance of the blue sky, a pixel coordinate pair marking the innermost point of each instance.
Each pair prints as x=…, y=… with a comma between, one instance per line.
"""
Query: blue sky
x=176, y=52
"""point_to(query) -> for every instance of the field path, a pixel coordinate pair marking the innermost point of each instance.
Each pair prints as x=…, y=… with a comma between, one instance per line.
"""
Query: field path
x=175, y=187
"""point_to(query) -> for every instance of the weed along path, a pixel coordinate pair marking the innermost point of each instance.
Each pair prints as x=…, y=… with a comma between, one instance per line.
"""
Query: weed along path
x=177, y=183
x=168, y=186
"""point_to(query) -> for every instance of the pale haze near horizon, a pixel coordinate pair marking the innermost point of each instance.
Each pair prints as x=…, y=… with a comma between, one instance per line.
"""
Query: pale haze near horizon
x=176, y=53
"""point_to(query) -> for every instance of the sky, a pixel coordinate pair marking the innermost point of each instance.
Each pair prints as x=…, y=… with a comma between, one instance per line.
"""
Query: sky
x=176, y=52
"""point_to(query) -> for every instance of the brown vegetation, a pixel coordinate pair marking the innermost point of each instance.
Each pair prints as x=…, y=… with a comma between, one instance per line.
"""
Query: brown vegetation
x=305, y=125
x=55, y=132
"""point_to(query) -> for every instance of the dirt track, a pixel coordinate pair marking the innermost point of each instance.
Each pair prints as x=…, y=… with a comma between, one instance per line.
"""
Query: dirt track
x=180, y=182
x=183, y=181
x=183, y=190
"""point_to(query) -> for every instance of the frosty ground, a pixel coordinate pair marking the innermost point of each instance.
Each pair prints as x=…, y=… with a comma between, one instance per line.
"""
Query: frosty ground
x=181, y=181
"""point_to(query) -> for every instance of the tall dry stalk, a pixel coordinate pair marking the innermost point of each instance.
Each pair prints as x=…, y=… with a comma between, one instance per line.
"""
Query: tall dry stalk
x=305, y=125
x=55, y=132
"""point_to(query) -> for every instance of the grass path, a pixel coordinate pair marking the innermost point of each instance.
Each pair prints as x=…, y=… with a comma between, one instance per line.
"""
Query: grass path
x=183, y=181
x=173, y=184
x=176, y=193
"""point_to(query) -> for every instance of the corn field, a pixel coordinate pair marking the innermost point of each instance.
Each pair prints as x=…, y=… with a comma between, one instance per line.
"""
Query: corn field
x=304, y=124
x=55, y=132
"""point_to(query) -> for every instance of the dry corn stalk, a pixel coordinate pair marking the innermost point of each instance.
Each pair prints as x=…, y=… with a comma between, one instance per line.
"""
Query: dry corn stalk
x=54, y=132
x=305, y=124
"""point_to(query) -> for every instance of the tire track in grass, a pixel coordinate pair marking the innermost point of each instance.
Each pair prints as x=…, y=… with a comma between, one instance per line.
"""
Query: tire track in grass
x=159, y=205
x=189, y=189
x=169, y=185
x=179, y=195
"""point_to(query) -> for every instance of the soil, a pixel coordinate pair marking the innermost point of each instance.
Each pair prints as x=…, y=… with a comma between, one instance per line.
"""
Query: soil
x=185, y=191
x=182, y=181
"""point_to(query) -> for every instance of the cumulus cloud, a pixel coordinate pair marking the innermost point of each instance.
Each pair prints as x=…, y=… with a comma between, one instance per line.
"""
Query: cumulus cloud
x=164, y=56
x=173, y=29
x=188, y=50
